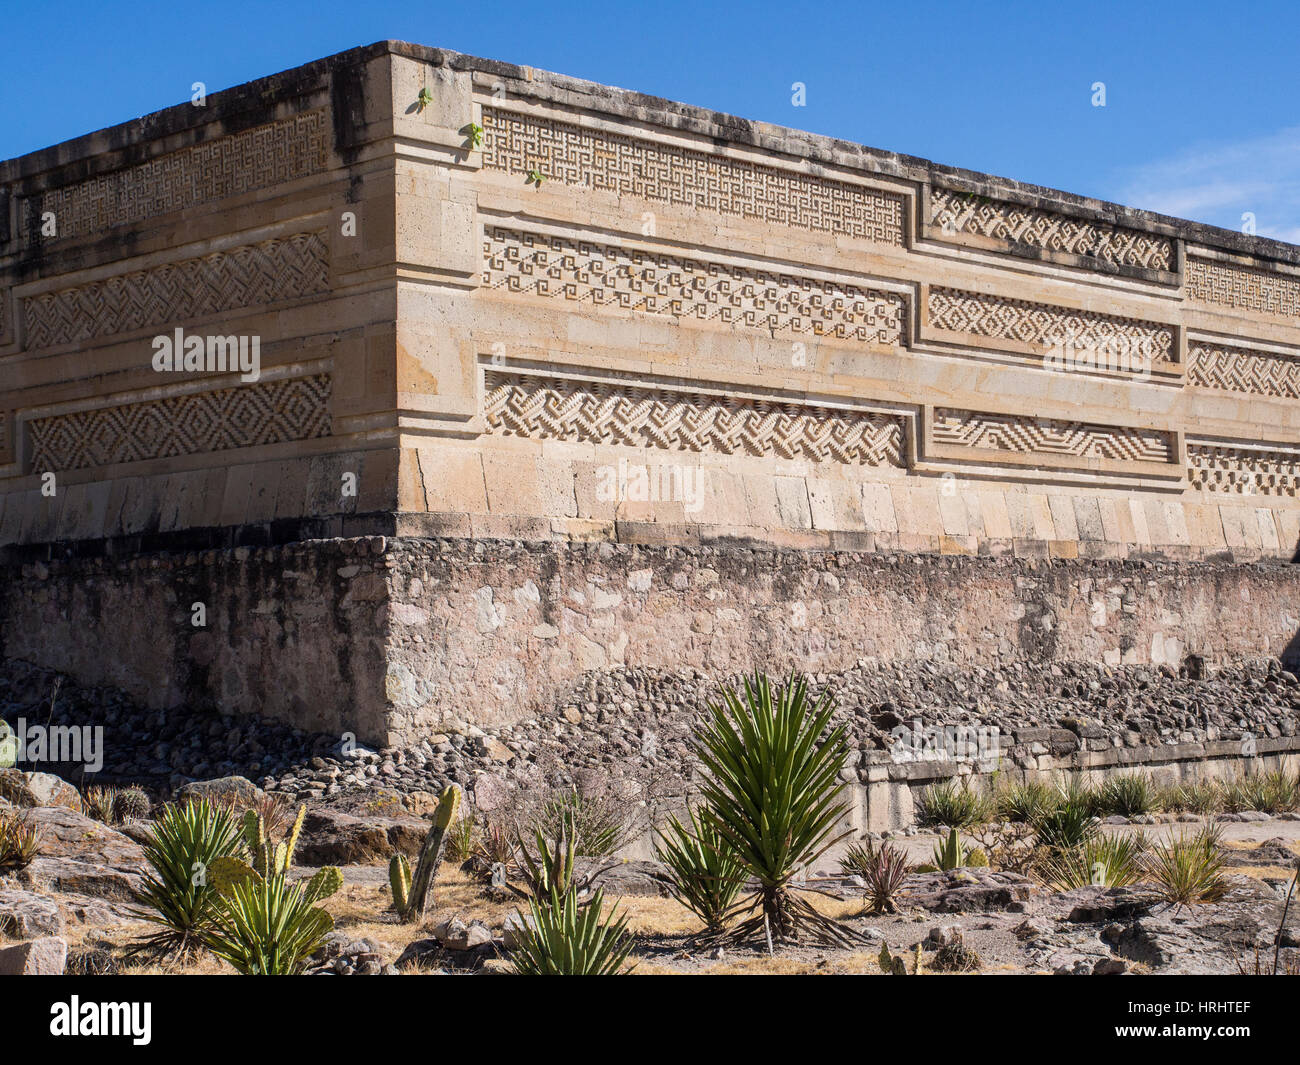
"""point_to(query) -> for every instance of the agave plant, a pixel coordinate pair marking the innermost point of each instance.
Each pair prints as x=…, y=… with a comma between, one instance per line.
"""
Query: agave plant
x=19, y=841
x=705, y=874
x=569, y=938
x=266, y=926
x=882, y=870
x=1068, y=827
x=1105, y=860
x=772, y=791
x=98, y=804
x=953, y=804
x=1127, y=795
x=950, y=853
x=187, y=839
x=1025, y=803
x=1190, y=868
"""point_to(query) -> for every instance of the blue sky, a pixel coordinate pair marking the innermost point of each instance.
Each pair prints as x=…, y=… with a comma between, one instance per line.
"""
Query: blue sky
x=1200, y=120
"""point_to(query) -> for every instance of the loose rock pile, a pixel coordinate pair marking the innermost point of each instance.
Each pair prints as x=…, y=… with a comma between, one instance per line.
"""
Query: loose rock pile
x=636, y=724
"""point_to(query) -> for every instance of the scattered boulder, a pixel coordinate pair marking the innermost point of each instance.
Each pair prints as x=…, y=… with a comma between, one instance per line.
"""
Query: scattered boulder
x=515, y=930
x=332, y=837
x=644, y=879
x=38, y=790
x=967, y=890
x=236, y=790
x=943, y=935
x=455, y=934
x=27, y=915
x=47, y=956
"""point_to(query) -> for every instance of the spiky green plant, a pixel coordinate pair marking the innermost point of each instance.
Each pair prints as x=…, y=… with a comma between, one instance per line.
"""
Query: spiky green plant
x=1200, y=797
x=399, y=880
x=19, y=841
x=570, y=938
x=1105, y=859
x=1127, y=795
x=97, y=803
x=1069, y=826
x=705, y=875
x=1026, y=802
x=952, y=804
x=265, y=926
x=951, y=853
x=1273, y=792
x=462, y=839
x=1190, y=868
x=882, y=869
x=177, y=894
x=1076, y=792
x=597, y=825
x=772, y=789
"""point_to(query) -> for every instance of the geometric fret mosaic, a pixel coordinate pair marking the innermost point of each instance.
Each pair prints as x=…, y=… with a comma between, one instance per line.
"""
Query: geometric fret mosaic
x=267, y=412
x=1243, y=470
x=1260, y=373
x=575, y=155
x=249, y=276
x=613, y=413
x=1044, y=436
x=652, y=282
x=963, y=212
x=240, y=162
x=1243, y=288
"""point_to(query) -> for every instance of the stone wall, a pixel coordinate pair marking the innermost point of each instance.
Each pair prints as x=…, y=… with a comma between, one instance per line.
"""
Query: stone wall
x=394, y=638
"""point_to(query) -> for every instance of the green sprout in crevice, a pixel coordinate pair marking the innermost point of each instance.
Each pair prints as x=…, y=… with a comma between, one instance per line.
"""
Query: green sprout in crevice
x=423, y=100
x=473, y=134
x=534, y=177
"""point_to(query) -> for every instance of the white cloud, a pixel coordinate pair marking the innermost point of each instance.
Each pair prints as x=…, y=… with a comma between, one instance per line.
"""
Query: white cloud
x=1218, y=183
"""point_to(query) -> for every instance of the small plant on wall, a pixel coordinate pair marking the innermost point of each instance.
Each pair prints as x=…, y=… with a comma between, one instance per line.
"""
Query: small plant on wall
x=473, y=134
x=423, y=100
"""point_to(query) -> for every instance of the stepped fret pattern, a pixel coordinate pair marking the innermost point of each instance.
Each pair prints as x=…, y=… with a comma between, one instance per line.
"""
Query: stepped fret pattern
x=1243, y=470
x=610, y=162
x=1037, y=323
x=241, y=162
x=656, y=283
x=956, y=212
x=1043, y=436
x=612, y=413
x=1243, y=288
x=1261, y=373
x=268, y=412
x=250, y=276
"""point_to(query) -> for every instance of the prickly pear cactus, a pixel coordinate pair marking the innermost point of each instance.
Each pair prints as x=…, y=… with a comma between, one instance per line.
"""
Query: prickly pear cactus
x=325, y=883
x=224, y=873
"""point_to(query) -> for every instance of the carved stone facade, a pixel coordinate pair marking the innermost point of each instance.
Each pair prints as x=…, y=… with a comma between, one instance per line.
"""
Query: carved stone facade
x=250, y=276
x=1044, y=436
x=1258, y=291
x=1034, y=323
x=954, y=212
x=269, y=412
x=614, y=413
x=1235, y=369
x=630, y=166
x=606, y=276
x=1243, y=470
x=258, y=158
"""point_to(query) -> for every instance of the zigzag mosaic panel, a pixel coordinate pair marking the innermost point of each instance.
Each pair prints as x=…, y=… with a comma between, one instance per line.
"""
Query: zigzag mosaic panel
x=256, y=274
x=256, y=158
x=574, y=155
x=267, y=412
x=1260, y=373
x=655, y=283
x=613, y=413
x=1242, y=288
x=1044, y=436
x=1243, y=470
x=1037, y=323
x=963, y=212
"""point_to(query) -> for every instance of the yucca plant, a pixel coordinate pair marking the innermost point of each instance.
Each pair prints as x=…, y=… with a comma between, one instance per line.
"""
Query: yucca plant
x=1027, y=802
x=1069, y=826
x=772, y=790
x=177, y=894
x=19, y=841
x=1200, y=797
x=570, y=938
x=266, y=926
x=1190, y=868
x=705, y=874
x=1076, y=792
x=1127, y=795
x=1270, y=792
x=953, y=805
x=883, y=870
x=462, y=839
x=1104, y=860
x=597, y=825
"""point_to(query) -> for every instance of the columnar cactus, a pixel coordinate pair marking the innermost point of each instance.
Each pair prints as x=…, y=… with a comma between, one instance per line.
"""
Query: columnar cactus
x=399, y=879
